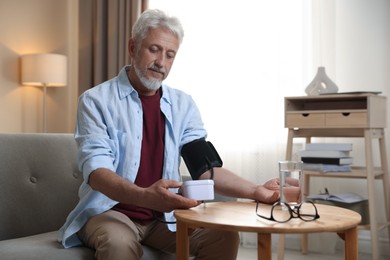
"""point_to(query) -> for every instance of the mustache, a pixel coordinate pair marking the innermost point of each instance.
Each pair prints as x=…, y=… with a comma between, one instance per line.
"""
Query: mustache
x=157, y=69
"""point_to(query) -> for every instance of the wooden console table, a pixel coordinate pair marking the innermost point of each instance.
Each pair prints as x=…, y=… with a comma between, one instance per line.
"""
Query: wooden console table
x=341, y=115
x=241, y=216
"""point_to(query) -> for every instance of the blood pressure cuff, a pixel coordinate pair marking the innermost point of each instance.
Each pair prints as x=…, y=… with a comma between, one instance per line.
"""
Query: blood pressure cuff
x=199, y=157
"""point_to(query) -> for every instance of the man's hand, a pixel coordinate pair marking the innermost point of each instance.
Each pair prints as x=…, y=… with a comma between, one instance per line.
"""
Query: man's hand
x=291, y=190
x=156, y=197
x=159, y=198
x=266, y=195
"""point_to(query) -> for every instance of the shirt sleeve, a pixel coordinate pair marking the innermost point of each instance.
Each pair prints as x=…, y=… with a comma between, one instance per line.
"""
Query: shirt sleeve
x=194, y=128
x=96, y=149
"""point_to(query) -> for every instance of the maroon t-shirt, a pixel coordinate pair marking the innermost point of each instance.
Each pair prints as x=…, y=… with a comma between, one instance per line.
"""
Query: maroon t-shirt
x=152, y=154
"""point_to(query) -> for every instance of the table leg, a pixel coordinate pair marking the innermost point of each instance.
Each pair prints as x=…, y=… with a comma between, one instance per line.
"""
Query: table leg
x=281, y=245
x=385, y=178
x=351, y=243
x=182, y=241
x=264, y=248
x=369, y=135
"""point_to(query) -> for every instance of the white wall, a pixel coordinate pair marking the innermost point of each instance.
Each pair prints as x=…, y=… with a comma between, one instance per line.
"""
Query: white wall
x=355, y=50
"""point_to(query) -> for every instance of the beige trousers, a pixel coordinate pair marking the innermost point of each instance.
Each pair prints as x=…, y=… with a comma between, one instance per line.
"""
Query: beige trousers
x=114, y=236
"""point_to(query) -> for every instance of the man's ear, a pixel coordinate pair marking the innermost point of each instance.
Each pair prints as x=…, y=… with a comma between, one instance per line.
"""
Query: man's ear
x=131, y=47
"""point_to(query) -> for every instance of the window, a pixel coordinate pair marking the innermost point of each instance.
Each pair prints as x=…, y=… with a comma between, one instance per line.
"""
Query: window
x=238, y=60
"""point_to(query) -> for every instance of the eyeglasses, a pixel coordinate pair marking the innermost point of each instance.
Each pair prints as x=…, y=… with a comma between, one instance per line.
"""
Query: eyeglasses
x=282, y=212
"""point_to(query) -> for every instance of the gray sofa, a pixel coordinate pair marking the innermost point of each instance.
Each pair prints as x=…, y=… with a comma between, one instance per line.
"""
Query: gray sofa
x=39, y=183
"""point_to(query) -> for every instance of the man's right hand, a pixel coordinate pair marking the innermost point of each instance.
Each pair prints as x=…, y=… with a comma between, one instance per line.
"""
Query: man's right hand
x=158, y=197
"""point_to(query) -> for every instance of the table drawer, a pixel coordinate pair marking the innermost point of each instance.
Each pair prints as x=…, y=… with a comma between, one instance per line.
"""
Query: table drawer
x=350, y=119
x=305, y=120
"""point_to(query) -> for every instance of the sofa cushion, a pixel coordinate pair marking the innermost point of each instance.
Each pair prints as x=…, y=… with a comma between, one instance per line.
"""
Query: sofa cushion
x=40, y=247
x=39, y=182
x=45, y=246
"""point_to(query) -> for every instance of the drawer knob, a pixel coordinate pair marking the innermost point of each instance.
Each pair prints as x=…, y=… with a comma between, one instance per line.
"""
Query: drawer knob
x=305, y=114
x=346, y=114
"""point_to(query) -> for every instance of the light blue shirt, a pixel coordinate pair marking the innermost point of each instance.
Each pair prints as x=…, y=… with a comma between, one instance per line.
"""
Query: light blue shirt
x=109, y=135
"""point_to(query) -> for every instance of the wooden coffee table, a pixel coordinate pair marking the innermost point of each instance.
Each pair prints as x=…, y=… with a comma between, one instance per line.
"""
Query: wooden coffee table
x=240, y=216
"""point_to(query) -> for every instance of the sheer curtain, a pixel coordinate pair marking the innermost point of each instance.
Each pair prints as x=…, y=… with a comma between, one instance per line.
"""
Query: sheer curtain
x=105, y=27
x=238, y=60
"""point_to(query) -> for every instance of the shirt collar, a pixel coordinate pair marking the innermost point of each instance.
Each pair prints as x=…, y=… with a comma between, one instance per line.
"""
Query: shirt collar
x=124, y=86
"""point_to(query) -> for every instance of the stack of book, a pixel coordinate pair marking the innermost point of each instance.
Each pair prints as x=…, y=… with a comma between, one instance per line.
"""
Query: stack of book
x=327, y=157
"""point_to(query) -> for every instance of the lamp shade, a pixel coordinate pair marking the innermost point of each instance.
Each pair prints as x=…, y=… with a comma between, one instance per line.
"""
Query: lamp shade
x=47, y=69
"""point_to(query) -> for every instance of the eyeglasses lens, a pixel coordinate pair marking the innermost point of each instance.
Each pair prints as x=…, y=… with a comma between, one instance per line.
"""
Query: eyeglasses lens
x=281, y=213
x=307, y=211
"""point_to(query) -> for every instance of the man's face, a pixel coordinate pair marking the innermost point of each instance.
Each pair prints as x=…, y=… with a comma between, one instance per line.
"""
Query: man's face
x=154, y=58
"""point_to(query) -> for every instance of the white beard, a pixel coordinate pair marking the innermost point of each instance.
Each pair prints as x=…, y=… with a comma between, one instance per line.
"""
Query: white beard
x=149, y=83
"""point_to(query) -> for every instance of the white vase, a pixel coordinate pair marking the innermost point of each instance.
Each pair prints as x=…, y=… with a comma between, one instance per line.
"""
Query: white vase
x=321, y=84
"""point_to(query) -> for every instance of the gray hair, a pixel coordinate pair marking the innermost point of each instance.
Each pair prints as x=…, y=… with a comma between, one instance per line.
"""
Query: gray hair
x=154, y=18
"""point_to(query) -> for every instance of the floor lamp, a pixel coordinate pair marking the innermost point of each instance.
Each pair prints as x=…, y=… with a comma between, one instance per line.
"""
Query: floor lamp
x=44, y=70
